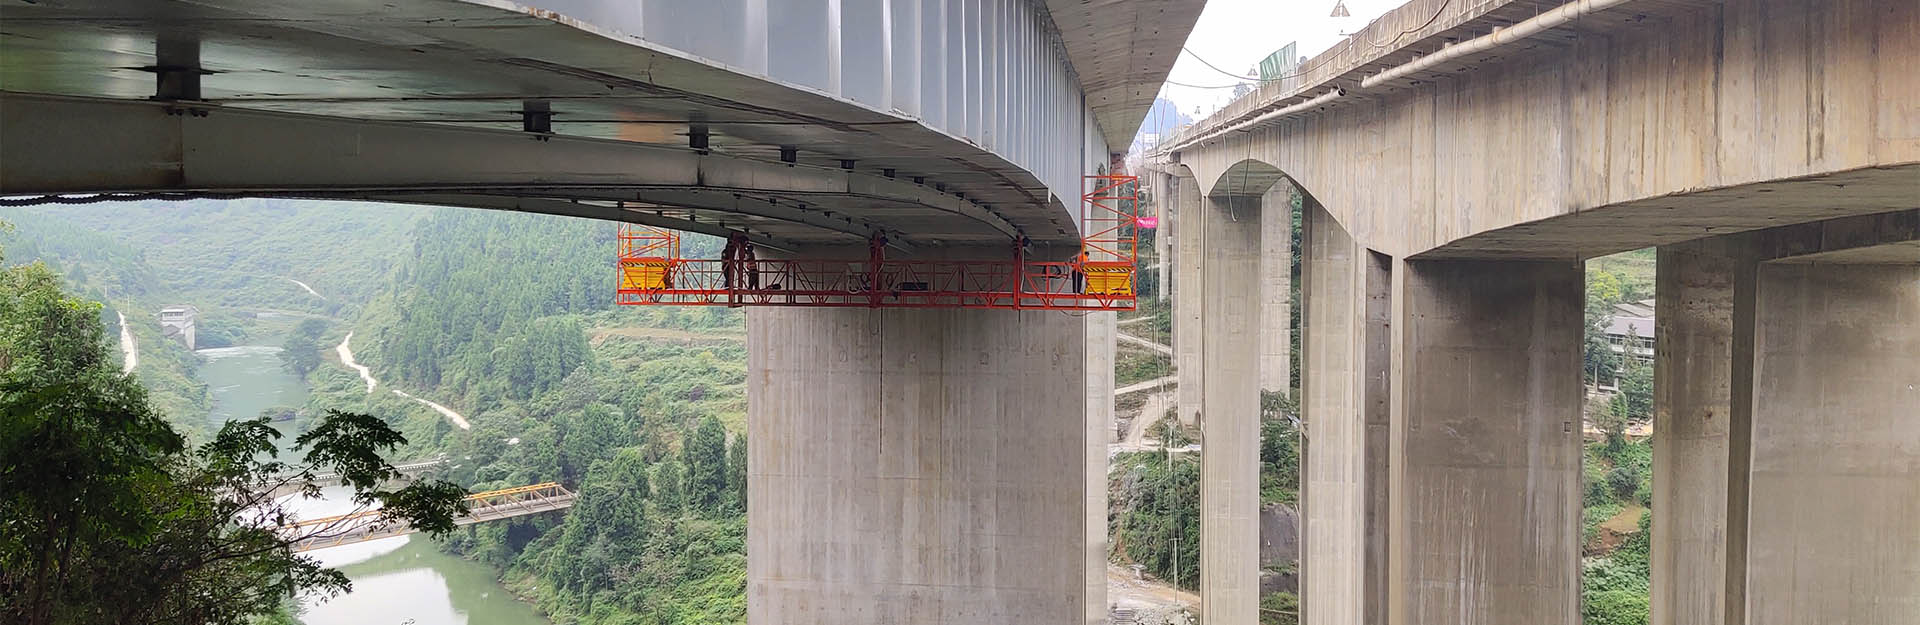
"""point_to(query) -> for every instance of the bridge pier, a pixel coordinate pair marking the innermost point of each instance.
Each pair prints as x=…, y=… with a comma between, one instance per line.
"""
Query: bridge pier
x=1189, y=363
x=917, y=466
x=1442, y=399
x=1345, y=406
x=1785, y=426
x=1229, y=414
x=1484, y=510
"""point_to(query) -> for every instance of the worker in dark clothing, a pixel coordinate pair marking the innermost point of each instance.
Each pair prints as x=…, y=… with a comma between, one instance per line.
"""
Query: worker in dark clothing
x=1080, y=273
x=737, y=250
x=751, y=265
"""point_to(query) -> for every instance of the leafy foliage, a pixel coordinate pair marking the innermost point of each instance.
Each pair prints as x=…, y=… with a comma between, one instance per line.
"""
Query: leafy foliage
x=1279, y=448
x=1160, y=528
x=108, y=517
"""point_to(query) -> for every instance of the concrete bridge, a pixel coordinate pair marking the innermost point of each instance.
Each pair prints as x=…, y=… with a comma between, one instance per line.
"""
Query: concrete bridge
x=945, y=466
x=909, y=466
x=1459, y=160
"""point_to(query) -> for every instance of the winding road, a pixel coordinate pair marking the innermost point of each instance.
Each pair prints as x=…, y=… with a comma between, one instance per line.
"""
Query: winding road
x=309, y=289
x=346, y=358
x=127, y=346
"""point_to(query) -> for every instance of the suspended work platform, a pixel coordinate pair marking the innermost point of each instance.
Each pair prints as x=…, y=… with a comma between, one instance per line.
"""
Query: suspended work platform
x=652, y=271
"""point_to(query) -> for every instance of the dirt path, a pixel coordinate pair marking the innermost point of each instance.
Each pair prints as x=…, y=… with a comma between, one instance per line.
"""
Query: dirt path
x=1128, y=338
x=127, y=346
x=443, y=410
x=309, y=289
x=1142, y=386
x=346, y=358
x=1150, y=414
x=1151, y=600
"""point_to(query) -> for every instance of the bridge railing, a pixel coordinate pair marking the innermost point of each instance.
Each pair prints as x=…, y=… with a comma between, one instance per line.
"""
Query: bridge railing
x=365, y=525
x=1101, y=277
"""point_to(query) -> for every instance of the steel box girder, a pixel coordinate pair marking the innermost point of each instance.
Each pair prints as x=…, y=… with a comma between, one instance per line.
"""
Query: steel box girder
x=57, y=144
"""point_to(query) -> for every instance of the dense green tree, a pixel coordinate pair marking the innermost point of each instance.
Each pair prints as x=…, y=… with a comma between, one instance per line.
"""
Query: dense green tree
x=737, y=472
x=107, y=517
x=705, y=455
x=590, y=435
x=669, y=487
x=1604, y=289
x=1279, y=449
x=300, y=355
x=1161, y=528
x=311, y=327
x=1636, y=389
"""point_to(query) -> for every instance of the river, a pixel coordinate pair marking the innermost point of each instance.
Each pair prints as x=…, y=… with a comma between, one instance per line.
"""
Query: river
x=397, y=581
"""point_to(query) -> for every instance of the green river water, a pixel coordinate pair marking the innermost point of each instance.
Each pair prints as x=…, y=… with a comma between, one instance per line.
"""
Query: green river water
x=396, y=581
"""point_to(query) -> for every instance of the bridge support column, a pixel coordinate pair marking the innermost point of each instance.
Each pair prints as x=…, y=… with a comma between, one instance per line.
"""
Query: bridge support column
x=1229, y=414
x=1276, y=288
x=1485, y=443
x=1785, y=427
x=1703, y=390
x=1101, y=333
x=1834, y=517
x=1188, y=251
x=916, y=466
x=1344, y=400
x=1162, y=244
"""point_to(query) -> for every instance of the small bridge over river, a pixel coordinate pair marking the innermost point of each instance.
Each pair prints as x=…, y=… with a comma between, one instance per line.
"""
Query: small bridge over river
x=408, y=470
x=368, y=525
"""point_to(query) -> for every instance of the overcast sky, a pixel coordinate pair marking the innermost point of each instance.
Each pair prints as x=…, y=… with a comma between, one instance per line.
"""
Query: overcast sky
x=1236, y=34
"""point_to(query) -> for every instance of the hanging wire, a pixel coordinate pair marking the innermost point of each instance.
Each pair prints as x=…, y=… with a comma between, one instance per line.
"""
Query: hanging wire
x=1324, y=57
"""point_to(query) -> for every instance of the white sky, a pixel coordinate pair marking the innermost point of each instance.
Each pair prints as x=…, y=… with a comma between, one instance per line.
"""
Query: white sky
x=1236, y=34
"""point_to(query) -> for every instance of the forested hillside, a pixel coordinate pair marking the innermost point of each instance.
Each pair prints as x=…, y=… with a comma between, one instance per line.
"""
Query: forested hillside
x=230, y=259
x=508, y=318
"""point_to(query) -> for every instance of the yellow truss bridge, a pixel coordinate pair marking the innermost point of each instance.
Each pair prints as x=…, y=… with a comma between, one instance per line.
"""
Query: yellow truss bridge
x=372, y=525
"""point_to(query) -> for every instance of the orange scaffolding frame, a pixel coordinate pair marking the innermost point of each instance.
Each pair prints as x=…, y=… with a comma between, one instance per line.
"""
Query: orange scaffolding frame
x=1101, y=277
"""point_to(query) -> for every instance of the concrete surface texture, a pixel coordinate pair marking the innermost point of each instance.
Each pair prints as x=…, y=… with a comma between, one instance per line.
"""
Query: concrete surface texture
x=1337, y=463
x=916, y=466
x=1189, y=319
x=1698, y=285
x=1101, y=332
x=1276, y=288
x=1769, y=428
x=1833, y=529
x=1486, y=462
x=1230, y=411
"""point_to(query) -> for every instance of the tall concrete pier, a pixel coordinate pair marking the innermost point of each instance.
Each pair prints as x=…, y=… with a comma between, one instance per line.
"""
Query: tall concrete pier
x=917, y=467
x=1785, y=431
x=1456, y=179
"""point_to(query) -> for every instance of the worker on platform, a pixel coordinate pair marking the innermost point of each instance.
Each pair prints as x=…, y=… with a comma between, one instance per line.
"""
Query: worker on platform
x=1080, y=272
x=737, y=250
x=751, y=265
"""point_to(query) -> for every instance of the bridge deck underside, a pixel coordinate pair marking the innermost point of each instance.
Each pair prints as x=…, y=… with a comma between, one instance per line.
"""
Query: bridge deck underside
x=477, y=65
x=1692, y=215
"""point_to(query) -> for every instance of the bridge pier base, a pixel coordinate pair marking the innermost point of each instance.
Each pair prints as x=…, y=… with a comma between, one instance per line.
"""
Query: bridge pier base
x=1785, y=427
x=917, y=466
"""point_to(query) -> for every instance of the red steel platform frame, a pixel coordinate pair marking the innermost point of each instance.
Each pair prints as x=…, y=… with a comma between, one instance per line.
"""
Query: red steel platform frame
x=1101, y=277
